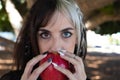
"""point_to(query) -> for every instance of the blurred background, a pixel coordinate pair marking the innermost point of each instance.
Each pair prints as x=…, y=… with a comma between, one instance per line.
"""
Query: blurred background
x=102, y=20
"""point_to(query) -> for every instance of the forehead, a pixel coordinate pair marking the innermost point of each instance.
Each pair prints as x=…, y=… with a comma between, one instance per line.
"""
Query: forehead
x=59, y=20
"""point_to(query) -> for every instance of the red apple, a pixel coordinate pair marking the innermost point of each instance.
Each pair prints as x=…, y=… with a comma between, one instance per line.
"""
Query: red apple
x=50, y=73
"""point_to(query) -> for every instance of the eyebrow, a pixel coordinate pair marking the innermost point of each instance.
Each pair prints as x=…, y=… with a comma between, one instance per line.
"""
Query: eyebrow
x=43, y=30
x=66, y=29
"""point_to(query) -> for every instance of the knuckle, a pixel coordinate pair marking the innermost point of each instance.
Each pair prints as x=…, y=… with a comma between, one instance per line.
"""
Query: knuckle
x=76, y=63
x=29, y=64
x=36, y=72
x=65, y=71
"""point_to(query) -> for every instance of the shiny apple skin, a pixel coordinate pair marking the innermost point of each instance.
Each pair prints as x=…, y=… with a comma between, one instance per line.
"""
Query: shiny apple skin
x=50, y=73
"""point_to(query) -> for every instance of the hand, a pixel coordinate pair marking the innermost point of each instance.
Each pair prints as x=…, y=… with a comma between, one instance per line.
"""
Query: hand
x=27, y=75
x=77, y=62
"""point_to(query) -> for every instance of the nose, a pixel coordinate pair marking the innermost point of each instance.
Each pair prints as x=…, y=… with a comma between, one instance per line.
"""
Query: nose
x=56, y=44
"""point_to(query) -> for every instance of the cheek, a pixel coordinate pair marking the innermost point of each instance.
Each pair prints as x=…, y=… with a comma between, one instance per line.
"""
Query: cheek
x=43, y=46
x=70, y=45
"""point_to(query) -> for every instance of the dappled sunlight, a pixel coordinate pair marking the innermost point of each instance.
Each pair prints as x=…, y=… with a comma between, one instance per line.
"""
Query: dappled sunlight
x=3, y=67
x=96, y=64
x=6, y=64
x=96, y=78
x=2, y=48
x=102, y=66
x=6, y=61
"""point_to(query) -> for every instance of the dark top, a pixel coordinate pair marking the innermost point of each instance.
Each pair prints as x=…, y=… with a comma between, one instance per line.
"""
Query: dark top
x=12, y=75
x=15, y=75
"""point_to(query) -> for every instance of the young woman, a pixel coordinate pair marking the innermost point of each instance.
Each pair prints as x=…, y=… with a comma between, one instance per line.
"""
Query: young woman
x=52, y=25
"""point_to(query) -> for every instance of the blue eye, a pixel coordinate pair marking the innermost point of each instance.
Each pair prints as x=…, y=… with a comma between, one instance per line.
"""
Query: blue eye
x=67, y=34
x=45, y=35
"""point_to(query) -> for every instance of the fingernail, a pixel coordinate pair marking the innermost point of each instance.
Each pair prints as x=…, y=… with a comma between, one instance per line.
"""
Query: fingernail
x=54, y=64
x=63, y=50
x=44, y=55
x=49, y=60
x=61, y=53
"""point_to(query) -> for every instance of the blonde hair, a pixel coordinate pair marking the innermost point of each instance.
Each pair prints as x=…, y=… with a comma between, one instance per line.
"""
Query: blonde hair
x=76, y=16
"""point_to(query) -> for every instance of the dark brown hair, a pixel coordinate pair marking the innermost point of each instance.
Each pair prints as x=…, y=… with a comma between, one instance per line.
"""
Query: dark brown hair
x=26, y=45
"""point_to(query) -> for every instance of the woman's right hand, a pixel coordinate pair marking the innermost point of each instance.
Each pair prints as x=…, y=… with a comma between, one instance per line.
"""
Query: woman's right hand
x=33, y=75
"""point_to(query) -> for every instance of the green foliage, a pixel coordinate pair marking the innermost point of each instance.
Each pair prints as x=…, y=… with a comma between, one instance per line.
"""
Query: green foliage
x=111, y=26
x=4, y=21
x=111, y=9
x=108, y=28
x=108, y=9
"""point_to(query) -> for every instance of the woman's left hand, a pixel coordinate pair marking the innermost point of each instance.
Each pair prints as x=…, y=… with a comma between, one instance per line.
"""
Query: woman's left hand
x=77, y=62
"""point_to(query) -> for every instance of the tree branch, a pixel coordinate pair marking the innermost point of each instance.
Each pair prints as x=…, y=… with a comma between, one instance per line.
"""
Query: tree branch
x=101, y=18
x=14, y=17
x=87, y=6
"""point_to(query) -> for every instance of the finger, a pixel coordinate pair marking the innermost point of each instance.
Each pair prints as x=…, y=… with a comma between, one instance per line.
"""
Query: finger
x=76, y=61
x=79, y=59
x=71, y=55
x=31, y=63
x=69, y=58
x=78, y=65
x=36, y=73
x=64, y=71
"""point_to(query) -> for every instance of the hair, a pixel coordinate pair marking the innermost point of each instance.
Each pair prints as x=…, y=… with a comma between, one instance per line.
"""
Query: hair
x=26, y=46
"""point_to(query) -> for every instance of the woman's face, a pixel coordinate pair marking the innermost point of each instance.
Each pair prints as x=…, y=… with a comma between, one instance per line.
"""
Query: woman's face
x=58, y=34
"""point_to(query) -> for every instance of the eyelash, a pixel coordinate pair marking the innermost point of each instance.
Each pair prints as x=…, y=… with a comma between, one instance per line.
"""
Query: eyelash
x=43, y=35
x=46, y=35
x=70, y=34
